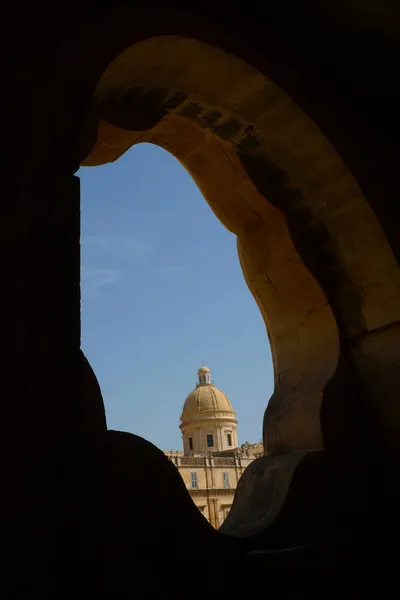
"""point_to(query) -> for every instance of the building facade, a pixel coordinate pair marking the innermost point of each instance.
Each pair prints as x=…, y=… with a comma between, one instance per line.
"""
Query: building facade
x=211, y=462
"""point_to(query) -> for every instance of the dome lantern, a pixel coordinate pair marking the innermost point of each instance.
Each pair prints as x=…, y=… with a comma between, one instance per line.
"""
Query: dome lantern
x=204, y=374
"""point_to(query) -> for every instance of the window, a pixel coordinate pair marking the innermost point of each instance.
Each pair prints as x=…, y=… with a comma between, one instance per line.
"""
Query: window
x=226, y=480
x=210, y=440
x=227, y=511
x=194, y=481
x=229, y=439
x=190, y=443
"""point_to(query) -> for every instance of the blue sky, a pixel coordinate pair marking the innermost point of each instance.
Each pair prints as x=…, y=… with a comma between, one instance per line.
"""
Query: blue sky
x=162, y=289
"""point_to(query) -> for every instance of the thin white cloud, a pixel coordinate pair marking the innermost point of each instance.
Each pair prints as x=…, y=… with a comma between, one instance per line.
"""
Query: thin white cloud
x=95, y=279
x=130, y=249
x=109, y=258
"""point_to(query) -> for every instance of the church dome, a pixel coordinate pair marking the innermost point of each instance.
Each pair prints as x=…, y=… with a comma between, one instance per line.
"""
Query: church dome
x=205, y=398
x=208, y=421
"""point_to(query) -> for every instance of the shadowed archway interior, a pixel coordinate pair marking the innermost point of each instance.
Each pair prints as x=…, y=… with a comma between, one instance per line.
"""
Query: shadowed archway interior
x=297, y=104
x=276, y=182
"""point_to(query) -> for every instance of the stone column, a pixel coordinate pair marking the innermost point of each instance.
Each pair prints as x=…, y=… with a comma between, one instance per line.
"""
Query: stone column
x=216, y=514
x=212, y=465
x=40, y=367
x=236, y=459
x=198, y=443
x=377, y=359
x=40, y=238
x=219, y=438
x=235, y=437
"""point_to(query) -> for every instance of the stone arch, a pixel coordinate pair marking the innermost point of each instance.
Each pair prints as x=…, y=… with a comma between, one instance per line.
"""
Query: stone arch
x=196, y=101
x=336, y=61
x=293, y=305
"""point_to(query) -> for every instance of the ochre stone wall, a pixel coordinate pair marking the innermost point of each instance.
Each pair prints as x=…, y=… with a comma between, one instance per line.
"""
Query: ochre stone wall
x=210, y=494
